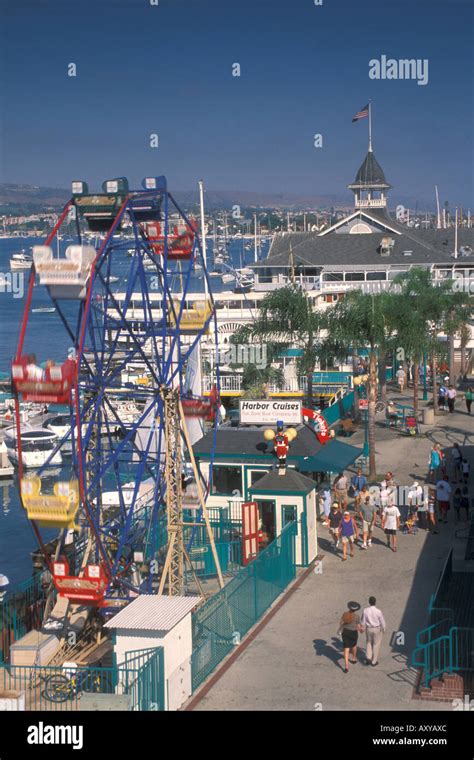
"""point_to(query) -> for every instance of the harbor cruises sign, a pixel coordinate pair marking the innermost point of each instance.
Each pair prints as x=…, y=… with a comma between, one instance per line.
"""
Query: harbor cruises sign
x=269, y=412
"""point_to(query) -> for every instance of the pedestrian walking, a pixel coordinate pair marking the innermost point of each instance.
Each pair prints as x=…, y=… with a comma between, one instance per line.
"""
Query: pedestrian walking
x=457, y=498
x=390, y=524
x=349, y=629
x=468, y=399
x=335, y=518
x=464, y=502
x=358, y=482
x=341, y=486
x=451, y=394
x=443, y=495
x=367, y=513
x=457, y=457
x=325, y=502
x=442, y=397
x=374, y=623
x=434, y=462
x=431, y=509
x=348, y=533
x=401, y=378
x=465, y=470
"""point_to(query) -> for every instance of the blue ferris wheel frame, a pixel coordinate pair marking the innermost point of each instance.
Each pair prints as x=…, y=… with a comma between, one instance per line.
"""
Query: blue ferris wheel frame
x=91, y=460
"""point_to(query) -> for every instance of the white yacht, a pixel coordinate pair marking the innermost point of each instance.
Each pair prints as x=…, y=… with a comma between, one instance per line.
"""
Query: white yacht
x=21, y=260
x=37, y=446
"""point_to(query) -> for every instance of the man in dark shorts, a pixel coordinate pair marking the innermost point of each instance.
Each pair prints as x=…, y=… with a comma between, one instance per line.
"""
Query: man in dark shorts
x=335, y=517
x=390, y=524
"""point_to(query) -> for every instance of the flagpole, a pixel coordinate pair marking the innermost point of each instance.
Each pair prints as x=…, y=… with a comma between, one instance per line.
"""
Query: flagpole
x=370, y=126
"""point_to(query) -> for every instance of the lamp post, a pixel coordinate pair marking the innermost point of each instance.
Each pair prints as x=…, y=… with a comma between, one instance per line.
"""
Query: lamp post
x=362, y=388
x=366, y=450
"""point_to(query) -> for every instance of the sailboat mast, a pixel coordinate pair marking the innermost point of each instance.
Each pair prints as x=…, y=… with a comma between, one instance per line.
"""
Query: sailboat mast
x=255, y=242
x=203, y=235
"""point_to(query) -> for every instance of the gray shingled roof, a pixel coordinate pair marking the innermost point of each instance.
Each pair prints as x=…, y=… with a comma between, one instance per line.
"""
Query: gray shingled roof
x=337, y=250
x=292, y=481
x=370, y=174
x=249, y=441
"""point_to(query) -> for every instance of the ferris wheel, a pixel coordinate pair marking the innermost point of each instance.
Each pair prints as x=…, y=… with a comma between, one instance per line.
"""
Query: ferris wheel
x=134, y=299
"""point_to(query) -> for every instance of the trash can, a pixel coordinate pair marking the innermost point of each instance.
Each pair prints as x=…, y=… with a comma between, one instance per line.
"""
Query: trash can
x=428, y=416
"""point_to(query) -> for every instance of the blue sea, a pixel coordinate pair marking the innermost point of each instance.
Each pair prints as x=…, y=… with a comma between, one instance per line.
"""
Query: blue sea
x=47, y=338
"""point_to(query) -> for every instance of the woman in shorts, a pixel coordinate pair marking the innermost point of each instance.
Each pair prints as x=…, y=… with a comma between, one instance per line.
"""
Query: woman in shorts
x=348, y=533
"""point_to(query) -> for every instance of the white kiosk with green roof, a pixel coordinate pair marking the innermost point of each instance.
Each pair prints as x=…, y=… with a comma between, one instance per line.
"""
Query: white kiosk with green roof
x=285, y=498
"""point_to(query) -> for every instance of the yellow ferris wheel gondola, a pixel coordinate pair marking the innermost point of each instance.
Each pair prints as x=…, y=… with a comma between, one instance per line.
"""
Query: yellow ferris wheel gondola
x=51, y=510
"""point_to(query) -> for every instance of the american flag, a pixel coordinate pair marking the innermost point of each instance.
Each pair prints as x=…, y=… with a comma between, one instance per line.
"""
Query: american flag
x=361, y=114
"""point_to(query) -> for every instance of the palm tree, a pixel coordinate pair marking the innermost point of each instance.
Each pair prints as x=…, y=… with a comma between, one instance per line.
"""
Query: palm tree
x=361, y=320
x=426, y=310
x=286, y=318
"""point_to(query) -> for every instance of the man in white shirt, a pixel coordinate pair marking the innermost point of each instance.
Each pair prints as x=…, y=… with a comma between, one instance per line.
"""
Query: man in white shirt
x=443, y=496
x=374, y=622
x=390, y=524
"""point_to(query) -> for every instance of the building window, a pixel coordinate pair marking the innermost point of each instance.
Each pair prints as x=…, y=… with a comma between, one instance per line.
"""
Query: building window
x=288, y=514
x=226, y=480
x=376, y=276
x=256, y=475
x=360, y=229
x=354, y=276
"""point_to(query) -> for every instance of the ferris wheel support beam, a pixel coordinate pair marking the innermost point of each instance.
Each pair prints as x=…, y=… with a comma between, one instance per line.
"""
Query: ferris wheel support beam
x=174, y=563
x=202, y=500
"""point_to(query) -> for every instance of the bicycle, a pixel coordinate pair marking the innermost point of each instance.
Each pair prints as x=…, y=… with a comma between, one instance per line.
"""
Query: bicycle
x=60, y=687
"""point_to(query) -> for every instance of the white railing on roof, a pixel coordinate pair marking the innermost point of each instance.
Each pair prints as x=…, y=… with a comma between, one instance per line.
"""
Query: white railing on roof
x=233, y=383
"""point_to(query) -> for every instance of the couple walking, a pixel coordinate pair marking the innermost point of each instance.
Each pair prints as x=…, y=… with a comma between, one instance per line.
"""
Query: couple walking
x=372, y=623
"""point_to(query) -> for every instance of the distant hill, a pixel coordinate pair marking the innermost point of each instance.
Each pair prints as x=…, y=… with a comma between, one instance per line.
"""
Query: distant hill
x=15, y=198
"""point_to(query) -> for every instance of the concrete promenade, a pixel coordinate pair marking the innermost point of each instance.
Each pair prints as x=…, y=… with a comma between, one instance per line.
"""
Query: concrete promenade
x=295, y=661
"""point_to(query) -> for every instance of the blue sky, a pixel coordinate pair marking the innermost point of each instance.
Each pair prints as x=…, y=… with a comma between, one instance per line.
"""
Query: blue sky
x=166, y=69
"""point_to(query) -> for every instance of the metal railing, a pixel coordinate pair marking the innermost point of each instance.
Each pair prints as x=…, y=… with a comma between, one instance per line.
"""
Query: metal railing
x=140, y=679
x=452, y=652
x=21, y=610
x=233, y=383
x=223, y=620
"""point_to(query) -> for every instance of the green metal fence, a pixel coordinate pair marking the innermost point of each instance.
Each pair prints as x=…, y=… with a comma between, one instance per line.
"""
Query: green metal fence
x=21, y=610
x=452, y=652
x=140, y=679
x=224, y=619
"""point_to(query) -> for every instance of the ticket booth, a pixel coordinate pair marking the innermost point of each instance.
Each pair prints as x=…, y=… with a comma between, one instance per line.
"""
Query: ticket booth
x=285, y=498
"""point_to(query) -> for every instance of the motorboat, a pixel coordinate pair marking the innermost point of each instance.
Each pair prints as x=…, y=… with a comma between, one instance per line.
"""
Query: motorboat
x=21, y=260
x=60, y=425
x=245, y=271
x=37, y=445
